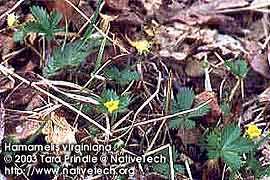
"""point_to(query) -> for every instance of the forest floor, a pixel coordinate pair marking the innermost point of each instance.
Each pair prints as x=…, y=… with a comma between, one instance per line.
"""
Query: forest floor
x=139, y=89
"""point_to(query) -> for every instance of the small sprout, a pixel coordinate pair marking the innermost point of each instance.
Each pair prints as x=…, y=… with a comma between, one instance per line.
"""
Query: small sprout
x=112, y=105
x=142, y=46
x=12, y=20
x=253, y=131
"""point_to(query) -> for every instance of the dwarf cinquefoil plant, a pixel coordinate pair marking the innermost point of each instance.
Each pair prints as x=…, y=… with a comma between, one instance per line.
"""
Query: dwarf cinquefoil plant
x=228, y=145
x=111, y=103
x=184, y=101
x=236, y=151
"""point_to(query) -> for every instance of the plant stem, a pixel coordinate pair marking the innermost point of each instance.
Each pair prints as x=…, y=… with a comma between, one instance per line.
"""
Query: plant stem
x=234, y=89
x=242, y=88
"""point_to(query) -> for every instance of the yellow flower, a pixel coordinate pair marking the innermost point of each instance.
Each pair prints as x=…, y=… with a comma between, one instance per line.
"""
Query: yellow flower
x=12, y=19
x=253, y=131
x=142, y=46
x=112, y=105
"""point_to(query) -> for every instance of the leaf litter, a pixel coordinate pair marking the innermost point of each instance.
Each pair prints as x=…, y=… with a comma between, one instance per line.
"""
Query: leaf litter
x=188, y=80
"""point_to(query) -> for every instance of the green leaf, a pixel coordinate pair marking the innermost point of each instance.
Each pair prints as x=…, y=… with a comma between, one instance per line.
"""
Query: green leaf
x=238, y=68
x=44, y=23
x=41, y=15
x=18, y=36
x=112, y=73
x=164, y=168
x=228, y=145
x=55, y=18
x=232, y=159
x=226, y=109
x=200, y=112
x=70, y=56
x=127, y=76
x=230, y=134
x=122, y=77
x=182, y=123
x=184, y=99
x=241, y=145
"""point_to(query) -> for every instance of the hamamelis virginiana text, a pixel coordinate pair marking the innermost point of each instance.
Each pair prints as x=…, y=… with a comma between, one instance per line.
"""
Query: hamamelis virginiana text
x=57, y=147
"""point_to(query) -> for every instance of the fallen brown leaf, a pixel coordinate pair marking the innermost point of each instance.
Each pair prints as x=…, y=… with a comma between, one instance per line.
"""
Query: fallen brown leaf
x=117, y=4
x=257, y=59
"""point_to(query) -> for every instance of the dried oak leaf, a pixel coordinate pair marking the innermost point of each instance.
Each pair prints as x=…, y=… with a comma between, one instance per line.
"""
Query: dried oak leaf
x=257, y=59
x=151, y=6
x=77, y=19
x=20, y=97
x=117, y=4
x=128, y=18
x=194, y=68
x=204, y=15
x=211, y=170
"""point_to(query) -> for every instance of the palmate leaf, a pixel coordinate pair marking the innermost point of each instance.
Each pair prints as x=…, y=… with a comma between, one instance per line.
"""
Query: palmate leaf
x=184, y=101
x=112, y=73
x=55, y=18
x=231, y=140
x=228, y=145
x=200, y=112
x=164, y=168
x=256, y=167
x=232, y=159
x=238, y=68
x=44, y=23
x=70, y=56
x=241, y=145
x=34, y=27
x=230, y=134
x=126, y=76
x=41, y=16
